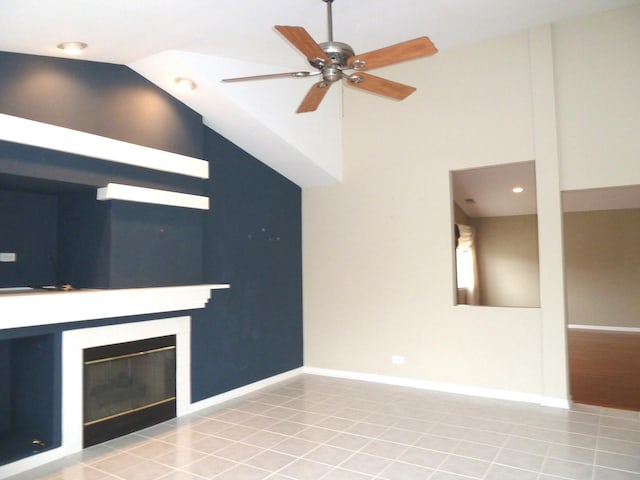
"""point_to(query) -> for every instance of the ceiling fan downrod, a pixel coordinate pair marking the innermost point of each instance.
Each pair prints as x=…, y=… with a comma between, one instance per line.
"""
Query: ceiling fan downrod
x=329, y=19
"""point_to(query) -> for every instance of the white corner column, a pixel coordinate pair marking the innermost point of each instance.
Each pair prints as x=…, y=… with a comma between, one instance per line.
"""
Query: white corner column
x=552, y=303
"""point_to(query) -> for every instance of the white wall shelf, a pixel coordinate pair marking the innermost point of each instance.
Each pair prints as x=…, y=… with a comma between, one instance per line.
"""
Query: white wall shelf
x=117, y=191
x=38, y=134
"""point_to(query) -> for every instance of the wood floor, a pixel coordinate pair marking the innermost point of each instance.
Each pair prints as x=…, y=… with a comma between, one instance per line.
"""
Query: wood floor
x=604, y=368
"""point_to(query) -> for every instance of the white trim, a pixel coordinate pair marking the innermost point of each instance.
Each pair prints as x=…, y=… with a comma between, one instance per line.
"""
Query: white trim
x=38, y=134
x=245, y=390
x=46, y=308
x=440, y=387
x=604, y=328
x=118, y=191
x=73, y=343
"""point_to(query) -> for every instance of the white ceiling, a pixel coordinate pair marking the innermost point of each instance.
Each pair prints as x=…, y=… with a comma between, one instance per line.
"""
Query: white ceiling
x=206, y=39
x=123, y=31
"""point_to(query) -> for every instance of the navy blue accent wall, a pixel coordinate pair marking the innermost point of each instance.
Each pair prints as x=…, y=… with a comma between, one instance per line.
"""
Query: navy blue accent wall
x=31, y=404
x=253, y=241
x=251, y=237
x=155, y=245
x=33, y=389
x=28, y=227
x=5, y=393
x=100, y=98
x=84, y=240
x=118, y=244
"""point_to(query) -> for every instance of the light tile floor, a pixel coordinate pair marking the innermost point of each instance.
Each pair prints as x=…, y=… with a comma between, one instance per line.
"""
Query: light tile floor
x=322, y=428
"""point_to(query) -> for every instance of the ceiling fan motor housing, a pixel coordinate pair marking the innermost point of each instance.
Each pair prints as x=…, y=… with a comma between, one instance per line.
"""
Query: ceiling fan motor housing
x=338, y=52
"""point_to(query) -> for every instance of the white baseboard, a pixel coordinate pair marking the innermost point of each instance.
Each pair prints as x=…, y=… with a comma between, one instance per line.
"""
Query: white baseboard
x=441, y=387
x=245, y=390
x=555, y=402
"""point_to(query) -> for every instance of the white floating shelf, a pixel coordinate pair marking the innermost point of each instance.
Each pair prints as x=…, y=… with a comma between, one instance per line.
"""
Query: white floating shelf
x=46, y=308
x=38, y=134
x=117, y=191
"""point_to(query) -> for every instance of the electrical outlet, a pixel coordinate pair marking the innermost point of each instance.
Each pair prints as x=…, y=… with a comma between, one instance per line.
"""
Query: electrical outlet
x=397, y=359
x=7, y=257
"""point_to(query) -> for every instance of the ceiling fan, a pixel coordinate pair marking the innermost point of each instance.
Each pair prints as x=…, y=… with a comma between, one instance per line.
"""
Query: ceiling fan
x=336, y=61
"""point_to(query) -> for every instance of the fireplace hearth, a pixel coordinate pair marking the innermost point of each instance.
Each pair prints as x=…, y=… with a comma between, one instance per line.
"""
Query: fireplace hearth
x=128, y=386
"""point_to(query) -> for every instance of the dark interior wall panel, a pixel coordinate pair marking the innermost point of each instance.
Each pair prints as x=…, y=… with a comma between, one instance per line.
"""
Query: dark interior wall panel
x=33, y=392
x=5, y=393
x=253, y=241
x=84, y=246
x=155, y=245
x=28, y=228
x=99, y=98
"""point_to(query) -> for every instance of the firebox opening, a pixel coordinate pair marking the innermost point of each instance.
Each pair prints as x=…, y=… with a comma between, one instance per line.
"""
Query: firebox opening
x=127, y=387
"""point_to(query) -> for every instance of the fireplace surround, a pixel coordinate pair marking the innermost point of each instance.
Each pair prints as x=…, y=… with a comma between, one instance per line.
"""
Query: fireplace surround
x=76, y=341
x=31, y=318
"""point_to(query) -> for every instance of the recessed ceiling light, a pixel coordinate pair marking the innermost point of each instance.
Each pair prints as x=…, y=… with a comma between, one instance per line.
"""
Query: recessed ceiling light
x=517, y=189
x=186, y=84
x=72, y=48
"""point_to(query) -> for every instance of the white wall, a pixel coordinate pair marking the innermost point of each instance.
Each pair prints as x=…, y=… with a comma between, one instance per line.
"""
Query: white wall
x=378, y=264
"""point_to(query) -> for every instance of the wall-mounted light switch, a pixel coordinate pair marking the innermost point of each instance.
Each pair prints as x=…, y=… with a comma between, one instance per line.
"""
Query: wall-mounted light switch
x=7, y=257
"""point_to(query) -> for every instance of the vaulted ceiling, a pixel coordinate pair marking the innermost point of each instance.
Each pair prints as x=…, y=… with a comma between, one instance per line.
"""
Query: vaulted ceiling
x=209, y=40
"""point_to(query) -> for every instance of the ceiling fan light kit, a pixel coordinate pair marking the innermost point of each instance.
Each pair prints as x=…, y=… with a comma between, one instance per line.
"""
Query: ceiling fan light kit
x=334, y=61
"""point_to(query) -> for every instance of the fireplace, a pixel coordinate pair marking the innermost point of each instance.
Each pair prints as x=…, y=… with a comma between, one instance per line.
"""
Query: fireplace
x=122, y=316
x=127, y=387
x=91, y=344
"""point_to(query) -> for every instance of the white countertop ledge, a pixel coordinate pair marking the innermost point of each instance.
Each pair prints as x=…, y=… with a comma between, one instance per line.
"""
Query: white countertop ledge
x=30, y=309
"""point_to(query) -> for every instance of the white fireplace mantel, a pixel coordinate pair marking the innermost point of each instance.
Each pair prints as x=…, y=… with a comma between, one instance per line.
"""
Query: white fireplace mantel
x=45, y=308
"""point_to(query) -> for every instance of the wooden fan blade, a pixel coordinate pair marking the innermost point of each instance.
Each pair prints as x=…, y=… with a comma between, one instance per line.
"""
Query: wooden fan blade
x=314, y=97
x=270, y=76
x=416, y=48
x=381, y=86
x=300, y=39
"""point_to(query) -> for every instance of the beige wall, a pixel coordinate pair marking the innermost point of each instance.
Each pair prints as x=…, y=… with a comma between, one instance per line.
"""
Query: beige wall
x=602, y=261
x=378, y=262
x=597, y=71
x=459, y=216
x=507, y=253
